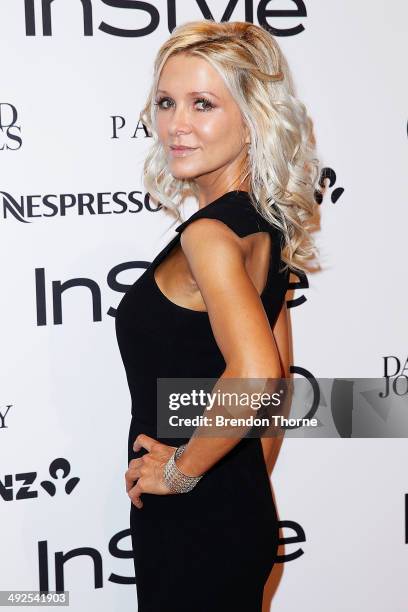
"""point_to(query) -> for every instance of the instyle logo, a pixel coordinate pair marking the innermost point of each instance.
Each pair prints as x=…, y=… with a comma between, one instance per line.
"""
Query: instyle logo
x=93, y=297
x=23, y=485
x=39, y=15
x=10, y=132
x=25, y=208
x=60, y=287
x=52, y=565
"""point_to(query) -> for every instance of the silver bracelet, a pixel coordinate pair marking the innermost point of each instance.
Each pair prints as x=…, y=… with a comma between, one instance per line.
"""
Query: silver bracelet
x=174, y=478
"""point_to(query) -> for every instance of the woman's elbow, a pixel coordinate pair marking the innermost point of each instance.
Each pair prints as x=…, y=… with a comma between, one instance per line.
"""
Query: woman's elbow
x=252, y=371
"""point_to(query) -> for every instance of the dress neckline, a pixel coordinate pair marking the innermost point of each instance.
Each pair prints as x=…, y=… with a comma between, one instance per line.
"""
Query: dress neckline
x=225, y=196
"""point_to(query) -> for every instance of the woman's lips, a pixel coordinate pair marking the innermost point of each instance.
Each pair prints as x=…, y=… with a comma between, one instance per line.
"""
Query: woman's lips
x=181, y=151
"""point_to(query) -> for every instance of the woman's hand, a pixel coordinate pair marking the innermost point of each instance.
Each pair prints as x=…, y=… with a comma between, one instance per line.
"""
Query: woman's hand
x=148, y=469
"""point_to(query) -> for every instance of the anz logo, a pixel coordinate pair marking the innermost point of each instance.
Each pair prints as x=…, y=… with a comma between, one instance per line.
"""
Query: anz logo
x=24, y=485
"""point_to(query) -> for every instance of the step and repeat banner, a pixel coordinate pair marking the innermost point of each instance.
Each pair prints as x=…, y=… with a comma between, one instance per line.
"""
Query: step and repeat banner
x=77, y=228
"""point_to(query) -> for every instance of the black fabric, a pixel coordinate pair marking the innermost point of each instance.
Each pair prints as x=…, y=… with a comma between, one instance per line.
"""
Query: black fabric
x=213, y=548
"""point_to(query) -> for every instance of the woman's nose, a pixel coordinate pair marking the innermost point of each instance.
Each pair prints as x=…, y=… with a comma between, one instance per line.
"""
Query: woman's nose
x=180, y=121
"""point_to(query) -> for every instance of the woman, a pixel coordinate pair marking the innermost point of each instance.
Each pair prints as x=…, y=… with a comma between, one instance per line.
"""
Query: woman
x=228, y=130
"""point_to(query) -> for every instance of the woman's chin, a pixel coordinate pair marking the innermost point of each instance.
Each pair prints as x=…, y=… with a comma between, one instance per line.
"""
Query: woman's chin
x=183, y=174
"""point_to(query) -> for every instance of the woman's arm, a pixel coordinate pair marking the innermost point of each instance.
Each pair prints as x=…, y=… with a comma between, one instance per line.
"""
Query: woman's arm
x=216, y=258
x=282, y=332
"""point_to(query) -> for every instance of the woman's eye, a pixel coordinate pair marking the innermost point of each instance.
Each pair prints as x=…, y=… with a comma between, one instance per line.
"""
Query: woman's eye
x=206, y=104
x=166, y=103
x=161, y=101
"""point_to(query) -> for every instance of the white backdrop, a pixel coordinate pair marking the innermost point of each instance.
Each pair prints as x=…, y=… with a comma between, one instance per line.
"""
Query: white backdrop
x=64, y=382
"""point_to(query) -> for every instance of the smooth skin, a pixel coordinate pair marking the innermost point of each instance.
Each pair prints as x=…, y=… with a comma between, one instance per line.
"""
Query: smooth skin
x=214, y=269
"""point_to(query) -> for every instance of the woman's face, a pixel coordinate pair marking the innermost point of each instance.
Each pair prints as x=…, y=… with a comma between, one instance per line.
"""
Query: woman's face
x=196, y=110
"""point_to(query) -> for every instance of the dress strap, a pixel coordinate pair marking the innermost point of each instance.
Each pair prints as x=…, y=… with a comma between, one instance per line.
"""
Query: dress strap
x=236, y=210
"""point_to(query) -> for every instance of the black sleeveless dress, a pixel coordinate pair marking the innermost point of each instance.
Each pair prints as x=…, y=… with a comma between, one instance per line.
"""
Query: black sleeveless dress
x=212, y=549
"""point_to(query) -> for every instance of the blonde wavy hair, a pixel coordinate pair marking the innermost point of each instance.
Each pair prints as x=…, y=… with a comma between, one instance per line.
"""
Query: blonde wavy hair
x=281, y=168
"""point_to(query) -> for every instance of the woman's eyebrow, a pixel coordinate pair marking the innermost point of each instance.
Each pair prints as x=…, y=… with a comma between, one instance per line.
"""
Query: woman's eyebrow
x=191, y=93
